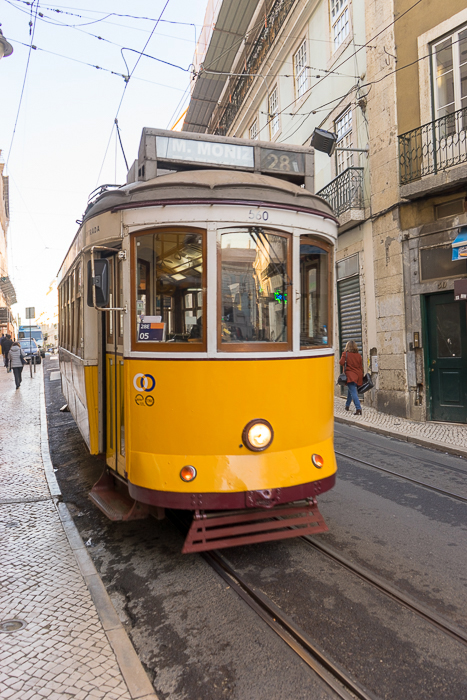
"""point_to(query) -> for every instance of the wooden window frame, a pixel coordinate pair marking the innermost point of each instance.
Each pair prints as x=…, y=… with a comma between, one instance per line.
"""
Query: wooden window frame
x=110, y=316
x=328, y=247
x=166, y=347
x=119, y=300
x=335, y=21
x=273, y=116
x=255, y=346
x=301, y=86
x=344, y=159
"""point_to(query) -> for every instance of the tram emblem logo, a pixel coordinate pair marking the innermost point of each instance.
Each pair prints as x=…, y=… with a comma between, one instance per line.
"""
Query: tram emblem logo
x=144, y=382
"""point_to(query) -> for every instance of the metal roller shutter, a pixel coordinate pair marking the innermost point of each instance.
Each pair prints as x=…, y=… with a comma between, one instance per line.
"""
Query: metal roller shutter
x=350, y=314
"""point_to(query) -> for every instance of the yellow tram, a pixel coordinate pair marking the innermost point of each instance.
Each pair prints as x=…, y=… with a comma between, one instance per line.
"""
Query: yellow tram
x=196, y=338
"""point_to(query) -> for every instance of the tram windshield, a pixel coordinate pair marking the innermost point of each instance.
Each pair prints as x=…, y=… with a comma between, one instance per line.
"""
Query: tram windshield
x=254, y=286
x=315, y=293
x=169, y=287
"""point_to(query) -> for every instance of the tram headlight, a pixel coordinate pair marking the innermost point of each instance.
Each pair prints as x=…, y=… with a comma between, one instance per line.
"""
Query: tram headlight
x=187, y=473
x=258, y=434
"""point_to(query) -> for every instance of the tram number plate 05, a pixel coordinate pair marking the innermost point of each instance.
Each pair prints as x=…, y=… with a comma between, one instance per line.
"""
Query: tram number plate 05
x=258, y=215
x=151, y=331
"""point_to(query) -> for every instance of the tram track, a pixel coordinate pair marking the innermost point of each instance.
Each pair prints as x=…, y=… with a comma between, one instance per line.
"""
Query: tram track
x=430, y=487
x=377, y=582
x=424, y=461
x=330, y=672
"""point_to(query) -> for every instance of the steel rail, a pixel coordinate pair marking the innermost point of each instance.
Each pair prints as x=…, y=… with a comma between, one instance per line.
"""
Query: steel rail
x=325, y=668
x=402, y=476
x=408, y=601
x=406, y=454
x=337, y=678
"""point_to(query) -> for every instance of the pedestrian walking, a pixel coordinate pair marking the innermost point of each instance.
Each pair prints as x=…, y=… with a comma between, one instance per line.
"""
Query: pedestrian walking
x=16, y=360
x=6, y=345
x=353, y=362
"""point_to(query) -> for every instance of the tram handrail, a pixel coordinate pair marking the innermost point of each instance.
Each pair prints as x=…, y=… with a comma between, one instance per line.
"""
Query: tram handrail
x=105, y=308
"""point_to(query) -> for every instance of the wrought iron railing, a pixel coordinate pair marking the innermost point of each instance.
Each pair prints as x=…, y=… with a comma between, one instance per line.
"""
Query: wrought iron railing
x=435, y=146
x=345, y=191
x=265, y=40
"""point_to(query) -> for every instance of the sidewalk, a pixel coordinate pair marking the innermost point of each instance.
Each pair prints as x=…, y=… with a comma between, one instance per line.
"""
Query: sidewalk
x=447, y=437
x=60, y=637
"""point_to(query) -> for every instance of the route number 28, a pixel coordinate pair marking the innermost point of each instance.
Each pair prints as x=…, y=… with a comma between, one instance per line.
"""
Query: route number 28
x=258, y=215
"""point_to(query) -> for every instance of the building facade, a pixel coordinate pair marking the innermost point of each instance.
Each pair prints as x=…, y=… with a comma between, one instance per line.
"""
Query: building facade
x=389, y=78
x=7, y=292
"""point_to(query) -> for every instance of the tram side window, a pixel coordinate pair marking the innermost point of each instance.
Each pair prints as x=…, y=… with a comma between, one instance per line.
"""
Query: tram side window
x=315, y=311
x=169, y=287
x=254, y=287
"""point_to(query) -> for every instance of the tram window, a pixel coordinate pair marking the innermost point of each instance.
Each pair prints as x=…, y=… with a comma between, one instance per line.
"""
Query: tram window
x=315, y=312
x=169, y=288
x=255, y=281
x=79, y=310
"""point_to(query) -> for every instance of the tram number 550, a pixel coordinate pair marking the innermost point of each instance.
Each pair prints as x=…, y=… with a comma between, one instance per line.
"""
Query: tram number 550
x=258, y=215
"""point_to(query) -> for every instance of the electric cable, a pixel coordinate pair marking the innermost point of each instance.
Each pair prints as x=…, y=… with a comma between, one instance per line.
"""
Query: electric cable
x=367, y=44
x=32, y=29
x=126, y=85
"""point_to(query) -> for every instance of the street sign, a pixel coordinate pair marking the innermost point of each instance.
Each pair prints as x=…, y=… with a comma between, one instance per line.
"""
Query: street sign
x=30, y=312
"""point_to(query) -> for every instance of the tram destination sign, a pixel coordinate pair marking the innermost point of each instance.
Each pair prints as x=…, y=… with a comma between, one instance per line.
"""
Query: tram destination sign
x=161, y=151
x=215, y=153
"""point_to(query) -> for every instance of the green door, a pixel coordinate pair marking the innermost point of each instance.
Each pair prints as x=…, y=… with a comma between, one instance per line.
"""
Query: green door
x=447, y=357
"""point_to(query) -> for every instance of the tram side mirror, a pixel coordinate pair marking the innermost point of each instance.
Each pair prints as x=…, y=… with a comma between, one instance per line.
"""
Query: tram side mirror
x=100, y=282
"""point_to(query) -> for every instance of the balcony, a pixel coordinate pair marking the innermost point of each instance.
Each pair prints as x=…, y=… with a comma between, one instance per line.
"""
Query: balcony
x=345, y=195
x=434, y=156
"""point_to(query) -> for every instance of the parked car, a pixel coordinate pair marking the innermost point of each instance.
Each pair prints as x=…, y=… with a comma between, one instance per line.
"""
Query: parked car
x=30, y=350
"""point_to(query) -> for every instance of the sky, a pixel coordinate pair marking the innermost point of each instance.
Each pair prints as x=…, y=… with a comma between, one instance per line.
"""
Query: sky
x=57, y=132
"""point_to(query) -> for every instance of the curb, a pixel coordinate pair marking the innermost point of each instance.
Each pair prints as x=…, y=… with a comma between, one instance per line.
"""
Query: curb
x=138, y=684
x=439, y=446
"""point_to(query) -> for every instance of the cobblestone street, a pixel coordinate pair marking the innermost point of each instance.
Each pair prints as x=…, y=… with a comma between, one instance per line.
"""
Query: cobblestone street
x=448, y=437
x=53, y=644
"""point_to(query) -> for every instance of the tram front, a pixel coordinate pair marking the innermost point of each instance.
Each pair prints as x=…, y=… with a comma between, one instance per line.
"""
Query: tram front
x=226, y=393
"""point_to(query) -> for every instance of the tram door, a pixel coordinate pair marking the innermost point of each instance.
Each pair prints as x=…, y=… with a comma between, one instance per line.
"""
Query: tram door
x=115, y=415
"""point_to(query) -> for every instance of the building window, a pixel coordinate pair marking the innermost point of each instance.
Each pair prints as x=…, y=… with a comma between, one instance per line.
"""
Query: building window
x=436, y=263
x=340, y=21
x=254, y=130
x=450, y=78
x=301, y=80
x=274, y=112
x=343, y=126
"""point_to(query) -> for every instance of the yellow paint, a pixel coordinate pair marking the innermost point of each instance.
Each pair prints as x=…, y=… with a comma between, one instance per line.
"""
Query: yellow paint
x=92, y=401
x=114, y=417
x=110, y=408
x=199, y=412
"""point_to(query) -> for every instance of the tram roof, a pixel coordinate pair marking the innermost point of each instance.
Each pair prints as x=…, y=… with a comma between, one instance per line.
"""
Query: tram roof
x=210, y=186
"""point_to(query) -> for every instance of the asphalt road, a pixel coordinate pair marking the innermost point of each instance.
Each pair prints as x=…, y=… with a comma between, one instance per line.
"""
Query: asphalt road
x=197, y=639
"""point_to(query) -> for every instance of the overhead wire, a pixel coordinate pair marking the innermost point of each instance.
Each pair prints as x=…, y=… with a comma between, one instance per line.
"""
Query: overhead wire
x=127, y=83
x=32, y=29
x=367, y=44
x=100, y=38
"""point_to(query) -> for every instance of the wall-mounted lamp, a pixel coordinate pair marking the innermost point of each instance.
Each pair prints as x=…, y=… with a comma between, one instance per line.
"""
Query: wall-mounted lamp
x=6, y=49
x=325, y=141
